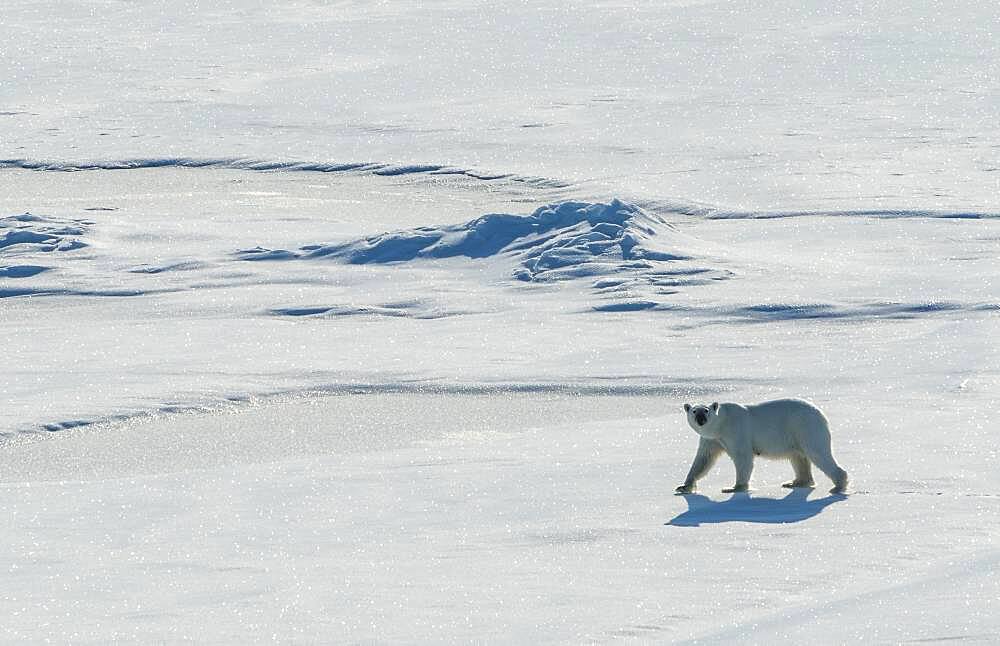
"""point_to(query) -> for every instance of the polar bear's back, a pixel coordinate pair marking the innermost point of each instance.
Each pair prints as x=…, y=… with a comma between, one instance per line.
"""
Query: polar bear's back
x=785, y=408
x=793, y=423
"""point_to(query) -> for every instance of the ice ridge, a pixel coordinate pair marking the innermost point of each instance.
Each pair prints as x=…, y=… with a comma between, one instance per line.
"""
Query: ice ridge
x=564, y=240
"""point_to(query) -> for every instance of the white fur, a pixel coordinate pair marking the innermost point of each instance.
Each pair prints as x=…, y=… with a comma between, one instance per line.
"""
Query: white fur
x=790, y=429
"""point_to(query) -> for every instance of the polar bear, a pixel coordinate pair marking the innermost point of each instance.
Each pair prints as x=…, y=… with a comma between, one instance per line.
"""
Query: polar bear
x=784, y=428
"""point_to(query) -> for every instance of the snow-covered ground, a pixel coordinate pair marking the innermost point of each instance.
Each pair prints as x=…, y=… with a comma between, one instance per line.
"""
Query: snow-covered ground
x=372, y=322
x=759, y=105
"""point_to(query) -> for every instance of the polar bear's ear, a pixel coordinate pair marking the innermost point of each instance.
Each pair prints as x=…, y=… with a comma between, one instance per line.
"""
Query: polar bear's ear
x=687, y=408
x=715, y=406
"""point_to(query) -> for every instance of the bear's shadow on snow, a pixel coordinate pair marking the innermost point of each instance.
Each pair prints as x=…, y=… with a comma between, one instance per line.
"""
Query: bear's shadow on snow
x=743, y=507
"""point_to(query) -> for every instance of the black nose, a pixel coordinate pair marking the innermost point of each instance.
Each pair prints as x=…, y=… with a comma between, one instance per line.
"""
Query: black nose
x=701, y=419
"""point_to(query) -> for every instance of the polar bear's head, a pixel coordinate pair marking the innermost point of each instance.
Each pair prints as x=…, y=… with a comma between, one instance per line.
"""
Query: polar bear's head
x=701, y=417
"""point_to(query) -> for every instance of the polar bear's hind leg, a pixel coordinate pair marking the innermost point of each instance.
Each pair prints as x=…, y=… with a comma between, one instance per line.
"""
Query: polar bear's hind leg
x=814, y=438
x=822, y=457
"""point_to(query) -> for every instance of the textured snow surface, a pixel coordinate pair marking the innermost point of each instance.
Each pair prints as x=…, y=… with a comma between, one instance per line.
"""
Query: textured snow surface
x=353, y=322
x=421, y=447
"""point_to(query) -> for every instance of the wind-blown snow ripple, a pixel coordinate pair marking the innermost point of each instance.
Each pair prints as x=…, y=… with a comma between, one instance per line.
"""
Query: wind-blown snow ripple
x=236, y=163
x=671, y=206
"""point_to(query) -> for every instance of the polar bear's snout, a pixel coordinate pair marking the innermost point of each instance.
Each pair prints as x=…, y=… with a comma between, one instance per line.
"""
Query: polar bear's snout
x=701, y=417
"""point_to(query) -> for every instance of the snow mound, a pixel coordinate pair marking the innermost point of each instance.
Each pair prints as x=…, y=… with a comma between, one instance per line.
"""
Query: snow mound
x=555, y=242
x=26, y=234
x=29, y=233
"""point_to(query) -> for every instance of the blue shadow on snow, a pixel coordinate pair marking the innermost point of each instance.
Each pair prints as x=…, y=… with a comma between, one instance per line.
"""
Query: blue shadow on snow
x=743, y=508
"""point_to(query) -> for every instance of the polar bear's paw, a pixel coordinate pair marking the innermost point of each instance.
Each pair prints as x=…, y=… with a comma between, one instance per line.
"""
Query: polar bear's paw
x=839, y=481
x=683, y=489
x=795, y=484
x=736, y=489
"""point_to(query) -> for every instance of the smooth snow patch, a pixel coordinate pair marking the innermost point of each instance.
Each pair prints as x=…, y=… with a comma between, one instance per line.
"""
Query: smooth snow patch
x=623, y=386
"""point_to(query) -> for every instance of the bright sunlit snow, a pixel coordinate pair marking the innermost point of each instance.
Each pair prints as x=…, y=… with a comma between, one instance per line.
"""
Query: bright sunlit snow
x=373, y=322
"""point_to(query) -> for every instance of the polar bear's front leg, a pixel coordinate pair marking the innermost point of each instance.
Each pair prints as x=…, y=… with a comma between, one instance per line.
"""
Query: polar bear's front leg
x=708, y=452
x=803, y=473
x=743, y=460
